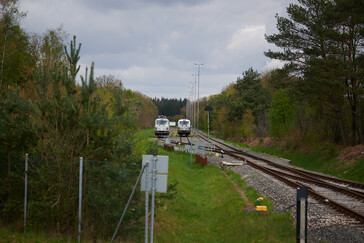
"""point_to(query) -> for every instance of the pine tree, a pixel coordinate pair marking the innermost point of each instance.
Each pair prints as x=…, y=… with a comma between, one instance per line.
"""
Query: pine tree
x=73, y=56
x=319, y=46
x=15, y=133
x=250, y=95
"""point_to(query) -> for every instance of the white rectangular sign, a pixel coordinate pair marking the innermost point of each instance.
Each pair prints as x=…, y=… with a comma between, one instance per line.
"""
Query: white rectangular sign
x=161, y=170
x=160, y=183
x=161, y=163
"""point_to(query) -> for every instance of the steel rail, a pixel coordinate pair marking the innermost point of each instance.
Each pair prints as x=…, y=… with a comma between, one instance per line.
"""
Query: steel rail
x=296, y=170
x=332, y=203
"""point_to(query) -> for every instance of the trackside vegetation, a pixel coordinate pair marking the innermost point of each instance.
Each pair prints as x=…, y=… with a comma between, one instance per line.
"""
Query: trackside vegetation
x=319, y=161
x=207, y=208
x=324, y=159
x=7, y=235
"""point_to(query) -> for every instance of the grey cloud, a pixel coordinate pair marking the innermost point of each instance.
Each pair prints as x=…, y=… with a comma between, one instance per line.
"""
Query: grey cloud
x=107, y=5
x=152, y=45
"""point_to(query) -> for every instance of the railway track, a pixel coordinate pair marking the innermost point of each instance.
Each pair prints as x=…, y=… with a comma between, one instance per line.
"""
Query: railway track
x=184, y=141
x=344, y=196
x=180, y=140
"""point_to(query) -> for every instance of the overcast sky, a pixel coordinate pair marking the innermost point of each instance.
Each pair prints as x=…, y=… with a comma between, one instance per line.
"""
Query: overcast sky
x=152, y=45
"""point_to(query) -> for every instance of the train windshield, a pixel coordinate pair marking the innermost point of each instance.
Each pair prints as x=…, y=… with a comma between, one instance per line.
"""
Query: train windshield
x=184, y=123
x=161, y=122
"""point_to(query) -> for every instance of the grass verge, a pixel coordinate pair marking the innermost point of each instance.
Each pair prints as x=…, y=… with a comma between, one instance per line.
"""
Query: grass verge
x=207, y=208
x=34, y=237
x=321, y=162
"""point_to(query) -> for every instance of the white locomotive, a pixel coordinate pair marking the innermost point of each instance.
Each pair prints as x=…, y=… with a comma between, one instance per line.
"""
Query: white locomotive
x=161, y=127
x=184, y=127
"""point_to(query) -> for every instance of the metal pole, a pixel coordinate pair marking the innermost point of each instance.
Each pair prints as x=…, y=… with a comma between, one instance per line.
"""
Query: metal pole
x=80, y=201
x=191, y=156
x=146, y=201
x=301, y=211
x=26, y=193
x=198, y=93
x=154, y=178
x=190, y=107
x=198, y=97
x=127, y=205
x=187, y=109
x=208, y=129
x=194, y=103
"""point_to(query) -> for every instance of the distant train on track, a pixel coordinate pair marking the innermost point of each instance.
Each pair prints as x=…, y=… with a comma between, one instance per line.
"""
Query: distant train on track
x=161, y=127
x=184, y=127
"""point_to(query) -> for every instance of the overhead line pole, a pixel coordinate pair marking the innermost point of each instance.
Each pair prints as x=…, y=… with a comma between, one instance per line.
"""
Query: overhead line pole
x=194, y=103
x=198, y=92
x=192, y=106
x=191, y=103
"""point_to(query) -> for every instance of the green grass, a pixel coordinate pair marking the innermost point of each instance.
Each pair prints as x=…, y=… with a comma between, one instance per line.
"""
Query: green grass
x=145, y=133
x=31, y=237
x=207, y=208
x=321, y=162
x=142, y=139
x=251, y=193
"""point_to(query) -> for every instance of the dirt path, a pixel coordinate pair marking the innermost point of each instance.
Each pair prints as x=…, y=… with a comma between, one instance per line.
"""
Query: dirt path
x=249, y=205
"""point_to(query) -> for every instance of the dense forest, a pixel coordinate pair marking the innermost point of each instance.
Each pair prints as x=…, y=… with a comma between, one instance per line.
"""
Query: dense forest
x=317, y=97
x=56, y=117
x=172, y=108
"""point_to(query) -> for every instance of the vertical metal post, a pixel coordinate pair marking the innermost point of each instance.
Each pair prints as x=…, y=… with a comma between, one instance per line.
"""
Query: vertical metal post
x=301, y=211
x=80, y=200
x=198, y=97
x=194, y=106
x=208, y=130
x=187, y=115
x=154, y=178
x=191, y=142
x=146, y=200
x=198, y=93
x=25, y=193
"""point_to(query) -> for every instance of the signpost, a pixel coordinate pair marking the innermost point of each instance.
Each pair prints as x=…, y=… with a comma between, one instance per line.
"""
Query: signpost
x=161, y=169
x=154, y=179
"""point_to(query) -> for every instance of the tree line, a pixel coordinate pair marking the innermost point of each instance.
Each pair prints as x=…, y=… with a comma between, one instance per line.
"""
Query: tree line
x=172, y=108
x=47, y=112
x=317, y=96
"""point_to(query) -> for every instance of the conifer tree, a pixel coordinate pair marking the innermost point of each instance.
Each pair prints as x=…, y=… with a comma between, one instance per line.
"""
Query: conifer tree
x=73, y=56
x=322, y=43
x=15, y=133
x=250, y=95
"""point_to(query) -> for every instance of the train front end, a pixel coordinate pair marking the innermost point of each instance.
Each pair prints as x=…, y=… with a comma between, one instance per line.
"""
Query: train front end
x=161, y=127
x=184, y=127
